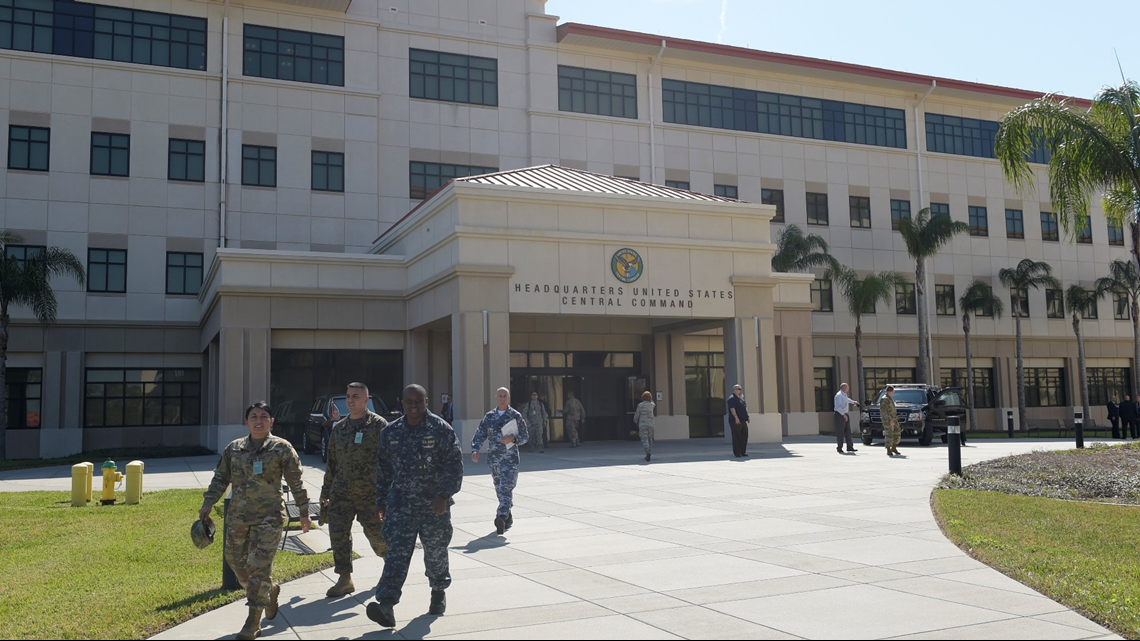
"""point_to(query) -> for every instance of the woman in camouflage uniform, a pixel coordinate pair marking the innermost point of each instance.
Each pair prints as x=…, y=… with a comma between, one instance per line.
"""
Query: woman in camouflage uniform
x=644, y=419
x=254, y=465
x=892, y=431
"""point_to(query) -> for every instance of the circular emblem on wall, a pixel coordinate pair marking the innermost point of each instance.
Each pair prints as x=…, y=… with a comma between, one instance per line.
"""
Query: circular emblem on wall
x=626, y=265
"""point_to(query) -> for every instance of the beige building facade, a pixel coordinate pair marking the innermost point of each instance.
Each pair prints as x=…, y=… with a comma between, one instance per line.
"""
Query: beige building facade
x=248, y=184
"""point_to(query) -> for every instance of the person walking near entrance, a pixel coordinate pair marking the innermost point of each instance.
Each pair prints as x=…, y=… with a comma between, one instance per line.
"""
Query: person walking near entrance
x=502, y=453
x=535, y=414
x=419, y=469
x=643, y=417
x=254, y=466
x=892, y=431
x=349, y=490
x=843, y=405
x=1114, y=416
x=738, y=421
x=1127, y=416
x=573, y=415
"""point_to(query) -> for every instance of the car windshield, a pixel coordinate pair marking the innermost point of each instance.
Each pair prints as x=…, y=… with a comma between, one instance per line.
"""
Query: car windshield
x=342, y=405
x=912, y=396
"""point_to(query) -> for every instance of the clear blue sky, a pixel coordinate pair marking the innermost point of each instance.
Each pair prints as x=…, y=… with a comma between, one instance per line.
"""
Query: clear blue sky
x=1047, y=45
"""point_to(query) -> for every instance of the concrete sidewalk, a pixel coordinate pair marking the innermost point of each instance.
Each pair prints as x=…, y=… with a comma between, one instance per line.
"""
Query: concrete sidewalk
x=796, y=541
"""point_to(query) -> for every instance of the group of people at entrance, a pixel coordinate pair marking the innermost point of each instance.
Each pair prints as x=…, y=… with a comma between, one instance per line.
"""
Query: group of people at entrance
x=1125, y=417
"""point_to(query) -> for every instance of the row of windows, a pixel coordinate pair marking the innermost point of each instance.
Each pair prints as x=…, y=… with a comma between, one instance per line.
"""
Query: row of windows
x=1044, y=386
x=107, y=268
x=969, y=137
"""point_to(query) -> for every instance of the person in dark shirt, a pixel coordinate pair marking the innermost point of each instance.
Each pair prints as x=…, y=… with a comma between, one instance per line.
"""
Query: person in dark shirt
x=1114, y=416
x=738, y=421
x=1127, y=416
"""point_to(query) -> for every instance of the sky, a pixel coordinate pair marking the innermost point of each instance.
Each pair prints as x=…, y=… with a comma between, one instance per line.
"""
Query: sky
x=1046, y=45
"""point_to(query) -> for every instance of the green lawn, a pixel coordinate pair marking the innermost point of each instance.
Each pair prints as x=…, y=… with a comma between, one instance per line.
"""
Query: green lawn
x=121, y=456
x=116, y=572
x=1082, y=554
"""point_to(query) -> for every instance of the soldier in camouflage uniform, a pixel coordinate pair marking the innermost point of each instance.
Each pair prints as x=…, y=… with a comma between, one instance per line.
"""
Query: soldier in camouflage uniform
x=349, y=490
x=254, y=465
x=572, y=416
x=419, y=469
x=643, y=417
x=892, y=431
x=502, y=453
x=535, y=414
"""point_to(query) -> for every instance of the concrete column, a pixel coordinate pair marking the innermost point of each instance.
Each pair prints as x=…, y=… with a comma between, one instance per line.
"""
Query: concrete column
x=439, y=345
x=669, y=379
x=243, y=377
x=478, y=369
x=61, y=418
x=750, y=361
x=679, y=400
x=417, y=364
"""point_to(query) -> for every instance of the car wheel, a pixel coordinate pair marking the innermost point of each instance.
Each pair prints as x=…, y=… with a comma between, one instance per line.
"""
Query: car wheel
x=927, y=435
x=868, y=438
x=945, y=439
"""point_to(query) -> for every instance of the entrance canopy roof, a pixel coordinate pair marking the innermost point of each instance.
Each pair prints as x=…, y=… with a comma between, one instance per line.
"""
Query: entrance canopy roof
x=570, y=179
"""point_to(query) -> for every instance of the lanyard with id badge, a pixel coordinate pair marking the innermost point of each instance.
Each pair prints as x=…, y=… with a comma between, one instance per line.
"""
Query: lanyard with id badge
x=359, y=438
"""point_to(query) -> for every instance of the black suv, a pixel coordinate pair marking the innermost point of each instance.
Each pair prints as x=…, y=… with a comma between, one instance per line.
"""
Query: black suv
x=922, y=411
x=316, y=430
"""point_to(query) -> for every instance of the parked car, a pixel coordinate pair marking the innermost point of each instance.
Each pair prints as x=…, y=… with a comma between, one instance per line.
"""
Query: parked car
x=923, y=411
x=290, y=419
x=317, y=430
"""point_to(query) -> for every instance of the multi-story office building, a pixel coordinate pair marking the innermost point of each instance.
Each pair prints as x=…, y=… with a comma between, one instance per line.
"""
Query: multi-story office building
x=238, y=178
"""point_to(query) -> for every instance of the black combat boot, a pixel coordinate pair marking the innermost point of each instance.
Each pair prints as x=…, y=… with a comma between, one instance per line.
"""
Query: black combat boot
x=438, y=603
x=383, y=612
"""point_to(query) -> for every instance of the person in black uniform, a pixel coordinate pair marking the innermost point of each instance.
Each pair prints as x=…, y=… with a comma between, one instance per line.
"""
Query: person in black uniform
x=1114, y=416
x=1127, y=416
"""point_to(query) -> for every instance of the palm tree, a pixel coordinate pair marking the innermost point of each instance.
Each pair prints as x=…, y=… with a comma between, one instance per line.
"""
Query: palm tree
x=1123, y=280
x=1091, y=151
x=978, y=298
x=924, y=236
x=862, y=296
x=799, y=252
x=28, y=283
x=1081, y=302
x=1029, y=274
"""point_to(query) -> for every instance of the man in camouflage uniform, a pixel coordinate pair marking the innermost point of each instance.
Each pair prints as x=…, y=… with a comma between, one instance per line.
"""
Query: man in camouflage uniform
x=254, y=465
x=892, y=431
x=572, y=416
x=349, y=490
x=536, y=419
x=419, y=469
x=502, y=453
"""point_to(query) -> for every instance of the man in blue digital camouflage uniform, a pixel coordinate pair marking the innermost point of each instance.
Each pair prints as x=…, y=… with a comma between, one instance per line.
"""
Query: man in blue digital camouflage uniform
x=419, y=468
x=502, y=453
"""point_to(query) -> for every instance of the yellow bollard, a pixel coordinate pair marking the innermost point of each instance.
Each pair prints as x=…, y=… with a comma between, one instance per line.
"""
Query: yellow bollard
x=90, y=478
x=134, y=482
x=79, y=485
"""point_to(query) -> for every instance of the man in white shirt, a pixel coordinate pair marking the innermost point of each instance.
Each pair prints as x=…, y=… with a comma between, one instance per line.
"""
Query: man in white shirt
x=842, y=420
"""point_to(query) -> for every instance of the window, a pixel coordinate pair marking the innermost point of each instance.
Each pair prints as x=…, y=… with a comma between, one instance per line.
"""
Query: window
x=1106, y=382
x=23, y=253
x=328, y=171
x=677, y=184
x=301, y=56
x=24, y=388
x=1014, y=296
x=1054, y=303
x=107, y=270
x=142, y=397
x=591, y=91
x=427, y=177
x=939, y=209
x=1093, y=313
x=860, y=211
x=821, y=295
x=823, y=385
x=969, y=137
x=899, y=209
x=258, y=166
x=1049, y=229
x=876, y=378
x=92, y=31
x=110, y=154
x=944, y=300
x=1115, y=234
x=774, y=197
x=1014, y=224
x=1044, y=387
x=183, y=273
x=186, y=160
x=905, y=299
x=983, y=384
x=454, y=78
x=28, y=147
x=1121, y=306
x=987, y=311
x=725, y=191
x=817, y=209
x=692, y=103
x=1084, y=231
x=704, y=393
x=979, y=222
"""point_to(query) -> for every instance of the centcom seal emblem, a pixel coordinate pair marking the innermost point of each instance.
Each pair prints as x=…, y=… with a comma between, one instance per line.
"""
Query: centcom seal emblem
x=626, y=265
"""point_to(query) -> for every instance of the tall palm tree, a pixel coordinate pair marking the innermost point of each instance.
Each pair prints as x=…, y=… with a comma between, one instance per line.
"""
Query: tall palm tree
x=1081, y=302
x=799, y=252
x=1029, y=274
x=978, y=298
x=924, y=236
x=1123, y=280
x=1091, y=151
x=28, y=283
x=862, y=295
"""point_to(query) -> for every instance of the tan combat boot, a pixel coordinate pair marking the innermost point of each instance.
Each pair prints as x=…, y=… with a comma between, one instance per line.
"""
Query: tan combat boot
x=252, y=628
x=343, y=586
x=271, y=609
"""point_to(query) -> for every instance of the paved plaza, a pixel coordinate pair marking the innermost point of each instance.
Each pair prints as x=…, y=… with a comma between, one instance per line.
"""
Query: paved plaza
x=796, y=541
